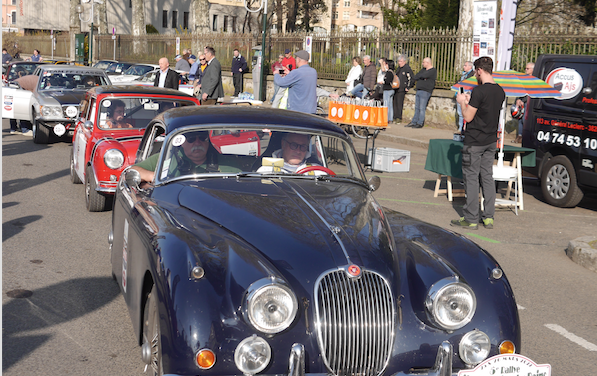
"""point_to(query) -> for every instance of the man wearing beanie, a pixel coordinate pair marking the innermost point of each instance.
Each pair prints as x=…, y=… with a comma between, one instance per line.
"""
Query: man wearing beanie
x=301, y=84
x=288, y=60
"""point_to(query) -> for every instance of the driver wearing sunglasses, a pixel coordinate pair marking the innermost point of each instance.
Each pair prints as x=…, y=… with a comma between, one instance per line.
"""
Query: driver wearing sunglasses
x=194, y=156
x=295, y=151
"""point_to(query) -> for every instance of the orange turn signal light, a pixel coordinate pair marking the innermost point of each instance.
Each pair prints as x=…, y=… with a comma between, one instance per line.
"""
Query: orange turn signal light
x=205, y=359
x=507, y=347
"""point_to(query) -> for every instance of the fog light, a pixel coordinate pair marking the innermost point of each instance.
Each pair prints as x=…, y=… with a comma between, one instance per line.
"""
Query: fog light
x=474, y=347
x=507, y=347
x=59, y=129
x=205, y=359
x=252, y=355
x=113, y=178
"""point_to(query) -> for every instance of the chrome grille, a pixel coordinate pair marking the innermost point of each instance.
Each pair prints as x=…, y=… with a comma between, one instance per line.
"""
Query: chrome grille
x=355, y=322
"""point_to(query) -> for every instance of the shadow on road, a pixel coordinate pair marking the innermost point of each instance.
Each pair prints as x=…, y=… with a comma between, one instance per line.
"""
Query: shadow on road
x=12, y=146
x=49, y=306
x=15, y=185
x=15, y=226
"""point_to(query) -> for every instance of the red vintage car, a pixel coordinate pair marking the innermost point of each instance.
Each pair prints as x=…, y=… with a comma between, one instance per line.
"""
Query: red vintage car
x=108, y=133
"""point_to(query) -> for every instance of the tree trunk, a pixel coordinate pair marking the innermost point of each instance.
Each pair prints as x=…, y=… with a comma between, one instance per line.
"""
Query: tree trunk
x=200, y=9
x=102, y=24
x=74, y=27
x=464, y=51
x=139, y=44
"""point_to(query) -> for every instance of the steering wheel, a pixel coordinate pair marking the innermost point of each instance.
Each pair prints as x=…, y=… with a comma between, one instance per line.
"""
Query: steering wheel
x=316, y=168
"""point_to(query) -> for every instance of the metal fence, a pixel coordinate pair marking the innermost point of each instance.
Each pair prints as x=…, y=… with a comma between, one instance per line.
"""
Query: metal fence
x=332, y=53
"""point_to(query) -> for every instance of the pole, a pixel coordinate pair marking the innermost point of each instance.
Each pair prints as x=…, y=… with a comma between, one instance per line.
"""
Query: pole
x=262, y=88
x=91, y=38
x=114, y=55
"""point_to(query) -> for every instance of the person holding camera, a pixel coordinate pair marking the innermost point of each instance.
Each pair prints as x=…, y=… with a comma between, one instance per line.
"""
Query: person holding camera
x=289, y=62
x=301, y=84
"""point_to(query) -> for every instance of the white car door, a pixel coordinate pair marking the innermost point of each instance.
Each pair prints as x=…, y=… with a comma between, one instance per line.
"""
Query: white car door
x=16, y=103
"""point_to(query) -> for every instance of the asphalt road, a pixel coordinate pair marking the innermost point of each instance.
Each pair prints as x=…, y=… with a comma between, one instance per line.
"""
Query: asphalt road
x=75, y=321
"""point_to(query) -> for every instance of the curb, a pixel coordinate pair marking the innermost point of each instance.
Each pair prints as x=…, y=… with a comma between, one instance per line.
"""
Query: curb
x=581, y=252
x=404, y=140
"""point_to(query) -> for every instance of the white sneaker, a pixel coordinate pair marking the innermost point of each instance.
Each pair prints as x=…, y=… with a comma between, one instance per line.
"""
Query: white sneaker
x=28, y=133
x=14, y=132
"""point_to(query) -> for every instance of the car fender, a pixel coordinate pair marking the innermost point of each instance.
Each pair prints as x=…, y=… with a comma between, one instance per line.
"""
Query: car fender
x=101, y=146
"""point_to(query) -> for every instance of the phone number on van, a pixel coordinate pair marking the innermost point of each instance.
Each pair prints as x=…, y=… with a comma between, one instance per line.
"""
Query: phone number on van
x=569, y=140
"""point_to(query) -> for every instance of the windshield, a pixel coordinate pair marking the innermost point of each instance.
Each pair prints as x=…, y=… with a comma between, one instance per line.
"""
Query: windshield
x=138, y=70
x=220, y=150
x=130, y=112
x=20, y=70
x=117, y=68
x=69, y=80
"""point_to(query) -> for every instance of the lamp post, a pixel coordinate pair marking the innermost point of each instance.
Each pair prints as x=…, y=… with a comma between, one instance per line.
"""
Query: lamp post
x=262, y=89
x=80, y=11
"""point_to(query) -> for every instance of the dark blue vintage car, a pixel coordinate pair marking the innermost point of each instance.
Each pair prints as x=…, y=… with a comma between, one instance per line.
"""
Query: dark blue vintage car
x=257, y=247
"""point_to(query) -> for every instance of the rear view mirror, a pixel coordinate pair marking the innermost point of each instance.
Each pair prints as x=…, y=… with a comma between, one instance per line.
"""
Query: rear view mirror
x=132, y=178
x=374, y=183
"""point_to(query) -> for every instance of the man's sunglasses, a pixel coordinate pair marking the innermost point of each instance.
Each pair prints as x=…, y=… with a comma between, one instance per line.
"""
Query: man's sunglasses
x=193, y=136
x=294, y=146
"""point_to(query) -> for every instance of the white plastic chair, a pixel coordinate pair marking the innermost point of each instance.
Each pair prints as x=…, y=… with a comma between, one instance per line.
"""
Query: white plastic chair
x=510, y=175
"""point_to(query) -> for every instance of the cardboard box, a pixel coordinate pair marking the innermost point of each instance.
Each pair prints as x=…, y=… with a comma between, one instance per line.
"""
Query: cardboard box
x=389, y=160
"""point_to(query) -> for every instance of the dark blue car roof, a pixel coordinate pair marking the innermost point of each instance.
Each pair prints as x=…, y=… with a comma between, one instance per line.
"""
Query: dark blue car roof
x=230, y=114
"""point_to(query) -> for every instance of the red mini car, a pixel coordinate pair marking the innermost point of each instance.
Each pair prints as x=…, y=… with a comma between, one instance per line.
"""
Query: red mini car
x=108, y=133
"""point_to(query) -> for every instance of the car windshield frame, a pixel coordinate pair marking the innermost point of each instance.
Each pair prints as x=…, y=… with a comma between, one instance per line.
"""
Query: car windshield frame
x=344, y=155
x=66, y=79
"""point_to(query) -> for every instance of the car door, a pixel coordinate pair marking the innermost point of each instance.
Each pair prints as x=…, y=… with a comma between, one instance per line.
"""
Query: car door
x=587, y=172
x=82, y=138
x=16, y=102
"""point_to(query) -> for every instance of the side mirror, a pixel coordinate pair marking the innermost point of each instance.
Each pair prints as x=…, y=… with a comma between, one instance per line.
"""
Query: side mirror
x=374, y=183
x=88, y=125
x=132, y=178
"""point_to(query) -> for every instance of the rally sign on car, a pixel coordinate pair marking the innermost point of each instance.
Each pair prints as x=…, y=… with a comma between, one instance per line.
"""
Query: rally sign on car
x=508, y=365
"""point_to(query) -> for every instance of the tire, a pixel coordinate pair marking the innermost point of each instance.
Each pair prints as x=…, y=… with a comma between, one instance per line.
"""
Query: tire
x=94, y=200
x=559, y=184
x=41, y=134
x=152, y=334
x=360, y=132
x=74, y=178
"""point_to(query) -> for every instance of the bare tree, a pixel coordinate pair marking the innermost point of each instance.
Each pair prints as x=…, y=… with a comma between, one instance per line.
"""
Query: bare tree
x=138, y=26
x=102, y=25
x=535, y=13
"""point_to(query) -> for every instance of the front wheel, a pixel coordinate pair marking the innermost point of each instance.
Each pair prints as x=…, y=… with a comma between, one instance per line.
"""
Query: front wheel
x=559, y=184
x=41, y=134
x=94, y=200
x=152, y=341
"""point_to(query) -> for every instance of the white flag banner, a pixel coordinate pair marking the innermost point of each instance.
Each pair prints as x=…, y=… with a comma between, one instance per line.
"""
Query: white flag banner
x=507, y=25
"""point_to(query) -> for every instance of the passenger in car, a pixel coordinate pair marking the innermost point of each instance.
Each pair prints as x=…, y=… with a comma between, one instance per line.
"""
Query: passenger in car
x=116, y=115
x=195, y=155
x=296, y=150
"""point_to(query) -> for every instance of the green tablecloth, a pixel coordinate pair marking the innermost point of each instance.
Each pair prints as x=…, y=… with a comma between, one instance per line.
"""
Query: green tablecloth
x=445, y=157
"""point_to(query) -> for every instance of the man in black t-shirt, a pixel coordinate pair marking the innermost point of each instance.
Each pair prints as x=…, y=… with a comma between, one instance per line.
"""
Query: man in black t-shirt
x=481, y=112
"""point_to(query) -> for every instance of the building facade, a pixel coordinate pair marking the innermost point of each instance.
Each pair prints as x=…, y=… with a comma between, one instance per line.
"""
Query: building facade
x=9, y=15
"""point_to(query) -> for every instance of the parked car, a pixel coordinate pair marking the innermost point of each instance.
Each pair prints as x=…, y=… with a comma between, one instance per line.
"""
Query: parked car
x=133, y=72
x=117, y=67
x=103, y=64
x=53, y=106
x=234, y=267
x=563, y=131
x=18, y=69
x=149, y=78
x=104, y=145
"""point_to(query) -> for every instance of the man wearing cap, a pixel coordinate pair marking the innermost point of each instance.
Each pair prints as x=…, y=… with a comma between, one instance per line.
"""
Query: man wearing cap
x=239, y=65
x=301, y=84
x=167, y=77
x=182, y=64
x=288, y=60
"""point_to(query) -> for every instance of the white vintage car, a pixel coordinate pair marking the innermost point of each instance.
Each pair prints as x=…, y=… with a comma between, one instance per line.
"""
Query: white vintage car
x=53, y=106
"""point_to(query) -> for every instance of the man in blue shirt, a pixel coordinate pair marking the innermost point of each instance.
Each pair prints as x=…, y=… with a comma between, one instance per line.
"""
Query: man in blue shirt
x=301, y=84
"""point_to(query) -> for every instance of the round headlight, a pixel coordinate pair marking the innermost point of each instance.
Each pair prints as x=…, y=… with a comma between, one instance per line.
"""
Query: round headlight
x=271, y=308
x=114, y=159
x=252, y=355
x=452, y=304
x=474, y=347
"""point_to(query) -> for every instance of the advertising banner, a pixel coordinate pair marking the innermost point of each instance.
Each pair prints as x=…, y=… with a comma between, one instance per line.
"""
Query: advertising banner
x=484, y=29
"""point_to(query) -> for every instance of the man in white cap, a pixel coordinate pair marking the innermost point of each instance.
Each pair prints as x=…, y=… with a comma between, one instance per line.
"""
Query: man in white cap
x=301, y=84
x=182, y=64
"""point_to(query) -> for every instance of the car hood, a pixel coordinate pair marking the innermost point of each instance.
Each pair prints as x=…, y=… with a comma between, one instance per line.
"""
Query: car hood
x=298, y=223
x=62, y=97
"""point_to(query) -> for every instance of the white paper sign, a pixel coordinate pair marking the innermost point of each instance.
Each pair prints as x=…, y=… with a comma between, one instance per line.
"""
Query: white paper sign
x=484, y=29
x=508, y=365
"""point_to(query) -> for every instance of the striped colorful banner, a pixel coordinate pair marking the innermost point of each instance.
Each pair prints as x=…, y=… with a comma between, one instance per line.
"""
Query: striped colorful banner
x=515, y=84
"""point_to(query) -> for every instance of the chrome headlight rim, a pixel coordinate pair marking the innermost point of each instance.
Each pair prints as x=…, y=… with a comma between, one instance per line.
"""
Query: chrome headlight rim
x=51, y=111
x=436, y=293
x=114, y=158
x=251, y=341
x=474, y=347
x=255, y=291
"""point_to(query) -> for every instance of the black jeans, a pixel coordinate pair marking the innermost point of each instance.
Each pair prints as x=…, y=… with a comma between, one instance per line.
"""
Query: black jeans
x=237, y=79
x=398, y=104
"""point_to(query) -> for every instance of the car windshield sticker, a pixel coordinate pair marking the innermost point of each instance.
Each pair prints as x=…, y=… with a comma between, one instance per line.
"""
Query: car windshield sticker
x=106, y=103
x=165, y=170
x=178, y=140
x=151, y=106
